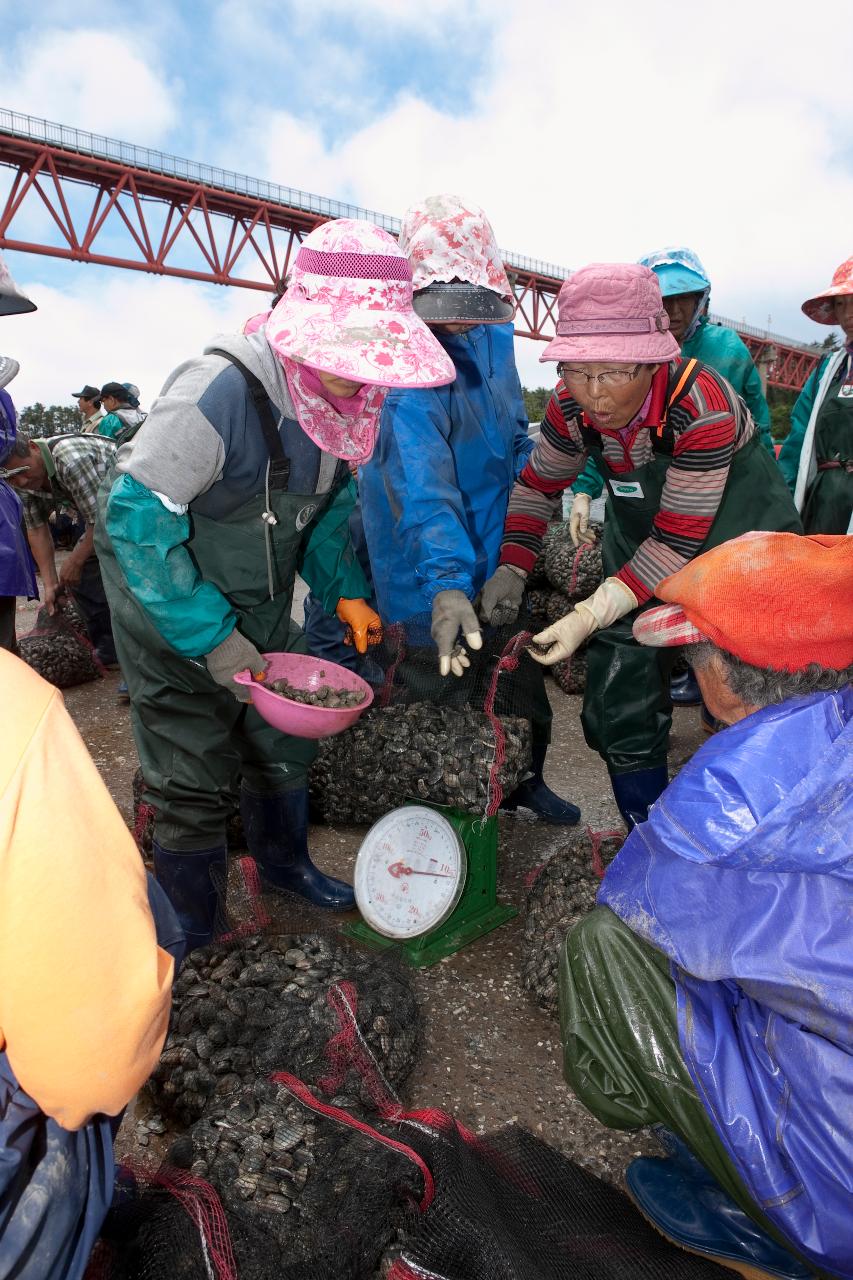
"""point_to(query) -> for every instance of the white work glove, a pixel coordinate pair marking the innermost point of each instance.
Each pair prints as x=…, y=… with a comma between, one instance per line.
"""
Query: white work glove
x=234, y=654
x=579, y=520
x=452, y=612
x=605, y=606
x=500, y=600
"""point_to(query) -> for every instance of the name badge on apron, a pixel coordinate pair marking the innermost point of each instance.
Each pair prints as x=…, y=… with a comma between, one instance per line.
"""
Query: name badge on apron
x=627, y=488
x=846, y=392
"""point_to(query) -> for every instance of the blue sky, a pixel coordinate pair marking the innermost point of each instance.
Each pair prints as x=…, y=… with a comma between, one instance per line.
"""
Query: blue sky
x=588, y=133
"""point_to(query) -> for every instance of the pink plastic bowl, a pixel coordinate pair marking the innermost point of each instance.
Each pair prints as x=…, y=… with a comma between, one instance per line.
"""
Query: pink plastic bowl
x=305, y=672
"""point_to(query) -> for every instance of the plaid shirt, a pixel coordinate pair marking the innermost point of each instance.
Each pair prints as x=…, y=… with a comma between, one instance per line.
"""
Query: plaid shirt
x=76, y=465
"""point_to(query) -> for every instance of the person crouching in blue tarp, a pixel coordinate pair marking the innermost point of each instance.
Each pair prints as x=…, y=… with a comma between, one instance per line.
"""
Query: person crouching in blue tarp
x=711, y=990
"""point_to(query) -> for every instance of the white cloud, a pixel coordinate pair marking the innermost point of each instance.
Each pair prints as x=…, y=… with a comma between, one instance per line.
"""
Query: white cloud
x=104, y=325
x=91, y=79
x=607, y=132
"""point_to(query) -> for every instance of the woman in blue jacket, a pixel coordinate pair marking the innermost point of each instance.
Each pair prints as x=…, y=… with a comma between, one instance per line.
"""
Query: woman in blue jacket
x=711, y=990
x=434, y=494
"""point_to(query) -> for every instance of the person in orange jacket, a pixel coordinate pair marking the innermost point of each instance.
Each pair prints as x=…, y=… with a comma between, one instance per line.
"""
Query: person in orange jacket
x=88, y=950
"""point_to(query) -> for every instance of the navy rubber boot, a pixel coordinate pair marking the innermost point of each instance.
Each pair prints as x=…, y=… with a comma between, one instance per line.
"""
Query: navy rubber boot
x=696, y=1214
x=636, y=792
x=684, y=689
x=276, y=829
x=195, y=884
x=535, y=794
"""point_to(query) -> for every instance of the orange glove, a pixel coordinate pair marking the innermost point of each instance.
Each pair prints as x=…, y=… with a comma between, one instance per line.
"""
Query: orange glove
x=363, y=624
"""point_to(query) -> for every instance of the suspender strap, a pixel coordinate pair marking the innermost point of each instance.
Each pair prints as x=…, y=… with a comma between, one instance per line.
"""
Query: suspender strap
x=688, y=376
x=279, y=476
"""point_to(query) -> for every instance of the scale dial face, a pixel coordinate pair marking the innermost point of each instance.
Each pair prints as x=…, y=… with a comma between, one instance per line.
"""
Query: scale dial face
x=410, y=872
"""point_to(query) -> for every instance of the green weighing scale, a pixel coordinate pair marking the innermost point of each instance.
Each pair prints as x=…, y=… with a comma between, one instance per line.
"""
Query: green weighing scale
x=426, y=881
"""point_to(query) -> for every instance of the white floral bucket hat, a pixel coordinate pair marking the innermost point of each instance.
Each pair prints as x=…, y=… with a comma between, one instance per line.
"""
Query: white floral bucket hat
x=457, y=269
x=348, y=311
x=12, y=301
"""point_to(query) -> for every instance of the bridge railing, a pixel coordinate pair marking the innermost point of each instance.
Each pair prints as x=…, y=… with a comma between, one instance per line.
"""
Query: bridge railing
x=95, y=144
x=764, y=334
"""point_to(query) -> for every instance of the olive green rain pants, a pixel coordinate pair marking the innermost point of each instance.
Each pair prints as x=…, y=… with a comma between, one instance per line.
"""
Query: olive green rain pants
x=621, y=1052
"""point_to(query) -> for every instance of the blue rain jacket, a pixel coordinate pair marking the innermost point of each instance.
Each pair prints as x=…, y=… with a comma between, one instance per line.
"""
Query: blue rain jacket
x=17, y=570
x=743, y=877
x=434, y=494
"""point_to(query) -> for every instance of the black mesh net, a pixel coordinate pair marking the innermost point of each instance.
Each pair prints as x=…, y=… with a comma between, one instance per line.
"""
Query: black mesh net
x=560, y=893
x=59, y=649
x=273, y=1191
x=509, y=1207
x=574, y=571
x=461, y=741
x=562, y=576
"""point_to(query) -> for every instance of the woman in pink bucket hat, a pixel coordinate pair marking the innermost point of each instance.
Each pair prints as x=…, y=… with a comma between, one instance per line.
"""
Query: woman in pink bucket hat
x=817, y=456
x=685, y=471
x=236, y=479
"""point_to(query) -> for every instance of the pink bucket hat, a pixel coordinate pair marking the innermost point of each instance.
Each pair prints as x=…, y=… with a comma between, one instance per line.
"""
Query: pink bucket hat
x=348, y=311
x=612, y=311
x=821, y=307
x=457, y=267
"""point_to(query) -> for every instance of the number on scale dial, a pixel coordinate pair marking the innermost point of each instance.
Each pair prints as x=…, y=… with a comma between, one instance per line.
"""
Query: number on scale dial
x=410, y=872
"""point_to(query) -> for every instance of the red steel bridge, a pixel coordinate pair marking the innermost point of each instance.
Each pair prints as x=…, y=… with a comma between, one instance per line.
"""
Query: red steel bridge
x=87, y=198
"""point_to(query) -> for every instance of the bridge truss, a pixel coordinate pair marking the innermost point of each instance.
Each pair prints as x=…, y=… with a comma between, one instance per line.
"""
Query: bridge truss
x=85, y=198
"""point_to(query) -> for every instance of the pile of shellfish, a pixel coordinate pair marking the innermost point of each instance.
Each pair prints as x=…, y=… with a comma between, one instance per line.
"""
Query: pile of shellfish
x=417, y=751
x=246, y=1009
x=563, y=893
x=58, y=647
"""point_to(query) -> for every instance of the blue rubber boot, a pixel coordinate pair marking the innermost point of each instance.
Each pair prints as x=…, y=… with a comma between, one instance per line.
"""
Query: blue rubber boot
x=636, y=792
x=694, y=1212
x=276, y=829
x=195, y=884
x=684, y=689
x=535, y=794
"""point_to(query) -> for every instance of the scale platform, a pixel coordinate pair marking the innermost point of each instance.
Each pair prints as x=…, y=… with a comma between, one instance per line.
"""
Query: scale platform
x=477, y=910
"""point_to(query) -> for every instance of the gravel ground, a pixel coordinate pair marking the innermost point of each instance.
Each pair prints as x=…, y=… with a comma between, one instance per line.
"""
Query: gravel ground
x=490, y=1056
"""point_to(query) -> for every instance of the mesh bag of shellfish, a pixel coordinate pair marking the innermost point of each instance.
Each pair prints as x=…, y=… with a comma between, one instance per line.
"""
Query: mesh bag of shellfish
x=461, y=741
x=575, y=571
x=507, y=1206
x=59, y=649
x=263, y=1188
x=308, y=1003
x=560, y=893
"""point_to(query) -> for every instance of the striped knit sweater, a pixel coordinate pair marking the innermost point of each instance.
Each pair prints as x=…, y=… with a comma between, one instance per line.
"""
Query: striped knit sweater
x=710, y=423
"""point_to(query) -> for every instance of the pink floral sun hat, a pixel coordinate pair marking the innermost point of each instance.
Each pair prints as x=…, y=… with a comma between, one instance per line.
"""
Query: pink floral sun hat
x=822, y=306
x=457, y=267
x=612, y=311
x=348, y=311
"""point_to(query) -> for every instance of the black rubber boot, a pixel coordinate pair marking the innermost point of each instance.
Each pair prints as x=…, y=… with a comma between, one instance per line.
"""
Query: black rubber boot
x=684, y=689
x=195, y=884
x=636, y=792
x=276, y=829
x=535, y=794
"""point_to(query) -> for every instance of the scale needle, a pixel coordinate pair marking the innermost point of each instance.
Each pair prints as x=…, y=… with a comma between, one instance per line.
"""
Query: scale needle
x=398, y=869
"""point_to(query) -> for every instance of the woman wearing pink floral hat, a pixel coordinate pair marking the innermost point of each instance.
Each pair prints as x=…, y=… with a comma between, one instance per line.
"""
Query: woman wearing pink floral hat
x=236, y=479
x=686, y=471
x=817, y=456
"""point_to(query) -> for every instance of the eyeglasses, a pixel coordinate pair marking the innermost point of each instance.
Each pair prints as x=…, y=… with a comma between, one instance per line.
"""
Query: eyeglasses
x=610, y=377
